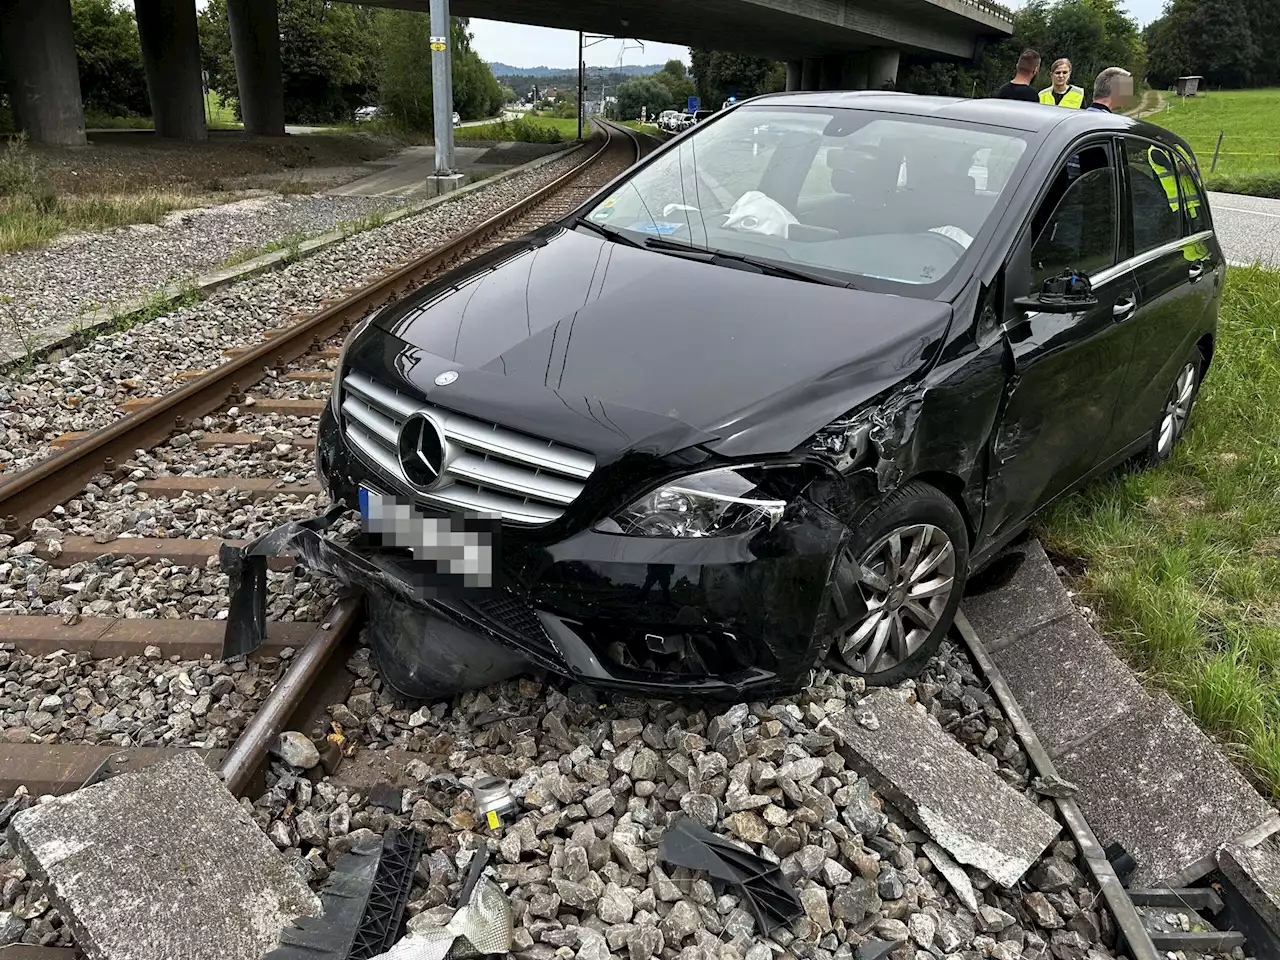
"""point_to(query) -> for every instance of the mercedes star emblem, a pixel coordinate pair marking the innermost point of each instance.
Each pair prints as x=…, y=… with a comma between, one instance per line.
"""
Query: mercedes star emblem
x=446, y=378
x=420, y=448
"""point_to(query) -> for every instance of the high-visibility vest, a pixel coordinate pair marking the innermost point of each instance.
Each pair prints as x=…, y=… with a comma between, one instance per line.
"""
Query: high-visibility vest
x=1073, y=99
x=1169, y=182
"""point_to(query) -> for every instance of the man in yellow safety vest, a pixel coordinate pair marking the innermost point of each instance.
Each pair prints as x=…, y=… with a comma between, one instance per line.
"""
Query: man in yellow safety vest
x=1062, y=93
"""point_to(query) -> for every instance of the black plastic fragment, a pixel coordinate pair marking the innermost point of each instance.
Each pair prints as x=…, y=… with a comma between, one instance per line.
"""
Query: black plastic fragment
x=1121, y=861
x=364, y=903
x=387, y=796
x=478, y=862
x=344, y=899
x=769, y=894
x=383, y=922
x=874, y=949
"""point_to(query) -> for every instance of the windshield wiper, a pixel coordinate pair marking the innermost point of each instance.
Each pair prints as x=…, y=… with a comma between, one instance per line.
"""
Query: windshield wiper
x=607, y=232
x=711, y=255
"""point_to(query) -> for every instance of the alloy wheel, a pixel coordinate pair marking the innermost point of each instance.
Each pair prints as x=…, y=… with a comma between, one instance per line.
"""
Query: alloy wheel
x=1176, y=410
x=906, y=578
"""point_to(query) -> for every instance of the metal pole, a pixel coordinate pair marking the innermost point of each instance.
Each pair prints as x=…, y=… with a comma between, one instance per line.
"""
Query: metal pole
x=441, y=92
x=448, y=72
x=1214, y=165
x=580, y=70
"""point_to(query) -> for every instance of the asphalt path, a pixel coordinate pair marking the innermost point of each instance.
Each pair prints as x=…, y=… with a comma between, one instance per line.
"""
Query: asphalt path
x=1248, y=228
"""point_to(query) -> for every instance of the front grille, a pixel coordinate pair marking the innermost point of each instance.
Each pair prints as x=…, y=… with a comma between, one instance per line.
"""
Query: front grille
x=513, y=614
x=487, y=468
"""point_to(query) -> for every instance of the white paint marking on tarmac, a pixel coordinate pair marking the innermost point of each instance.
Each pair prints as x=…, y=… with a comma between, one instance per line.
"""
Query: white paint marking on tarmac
x=1256, y=213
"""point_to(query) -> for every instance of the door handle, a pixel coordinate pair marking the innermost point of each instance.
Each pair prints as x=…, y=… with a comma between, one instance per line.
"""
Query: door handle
x=1124, y=308
x=1195, y=271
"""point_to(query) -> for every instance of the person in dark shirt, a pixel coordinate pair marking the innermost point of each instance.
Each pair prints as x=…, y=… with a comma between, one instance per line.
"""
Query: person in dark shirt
x=1113, y=90
x=1019, y=88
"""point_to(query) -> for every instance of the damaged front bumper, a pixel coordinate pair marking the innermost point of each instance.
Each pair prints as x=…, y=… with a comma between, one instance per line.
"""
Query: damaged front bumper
x=718, y=617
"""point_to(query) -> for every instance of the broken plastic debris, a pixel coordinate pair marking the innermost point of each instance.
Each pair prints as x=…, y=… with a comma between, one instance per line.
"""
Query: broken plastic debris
x=493, y=800
x=768, y=893
x=482, y=926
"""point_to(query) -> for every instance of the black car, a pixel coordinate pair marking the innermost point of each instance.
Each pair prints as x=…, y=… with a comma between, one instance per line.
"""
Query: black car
x=891, y=329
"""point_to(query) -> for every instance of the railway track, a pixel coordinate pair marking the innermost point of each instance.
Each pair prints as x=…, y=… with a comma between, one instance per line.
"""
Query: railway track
x=266, y=398
x=264, y=403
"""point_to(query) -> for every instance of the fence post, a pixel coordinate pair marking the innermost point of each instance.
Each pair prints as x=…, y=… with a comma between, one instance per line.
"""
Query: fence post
x=1214, y=166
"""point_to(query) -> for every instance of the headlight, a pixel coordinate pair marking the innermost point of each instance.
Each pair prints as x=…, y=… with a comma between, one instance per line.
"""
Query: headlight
x=335, y=393
x=711, y=504
x=844, y=440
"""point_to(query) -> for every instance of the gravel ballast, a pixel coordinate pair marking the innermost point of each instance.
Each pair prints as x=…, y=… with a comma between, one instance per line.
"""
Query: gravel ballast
x=94, y=271
x=82, y=391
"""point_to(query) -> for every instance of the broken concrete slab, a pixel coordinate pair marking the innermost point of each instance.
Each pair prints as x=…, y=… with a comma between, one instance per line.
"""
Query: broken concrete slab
x=960, y=802
x=1154, y=782
x=1255, y=874
x=1068, y=682
x=159, y=864
x=1032, y=598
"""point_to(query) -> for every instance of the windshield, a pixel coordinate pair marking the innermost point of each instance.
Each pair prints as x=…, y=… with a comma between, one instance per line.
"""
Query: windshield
x=849, y=193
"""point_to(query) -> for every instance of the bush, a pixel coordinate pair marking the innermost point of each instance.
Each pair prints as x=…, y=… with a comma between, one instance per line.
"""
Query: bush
x=522, y=129
x=1252, y=184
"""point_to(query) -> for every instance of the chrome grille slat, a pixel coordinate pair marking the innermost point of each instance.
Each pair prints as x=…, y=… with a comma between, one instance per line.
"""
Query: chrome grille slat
x=490, y=468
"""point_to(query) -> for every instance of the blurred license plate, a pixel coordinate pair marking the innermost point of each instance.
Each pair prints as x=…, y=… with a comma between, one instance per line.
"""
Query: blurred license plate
x=462, y=547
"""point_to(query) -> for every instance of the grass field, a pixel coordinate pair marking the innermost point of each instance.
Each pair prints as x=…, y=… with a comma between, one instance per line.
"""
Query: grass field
x=1249, y=161
x=528, y=129
x=1183, y=562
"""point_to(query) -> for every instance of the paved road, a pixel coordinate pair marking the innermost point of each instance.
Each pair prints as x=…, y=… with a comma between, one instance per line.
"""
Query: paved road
x=1248, y=228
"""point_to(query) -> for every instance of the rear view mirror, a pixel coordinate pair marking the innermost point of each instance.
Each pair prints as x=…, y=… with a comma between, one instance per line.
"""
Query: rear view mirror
x=1069, y=293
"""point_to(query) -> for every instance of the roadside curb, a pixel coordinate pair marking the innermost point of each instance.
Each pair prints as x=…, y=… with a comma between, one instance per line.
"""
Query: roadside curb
x=69, y=336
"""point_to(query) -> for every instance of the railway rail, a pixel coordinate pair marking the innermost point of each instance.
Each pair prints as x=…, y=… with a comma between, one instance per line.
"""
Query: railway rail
x=288, y=359
x=293, y=353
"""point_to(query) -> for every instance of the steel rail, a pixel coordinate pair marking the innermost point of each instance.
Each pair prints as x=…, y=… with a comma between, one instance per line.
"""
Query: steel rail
x=56, y=479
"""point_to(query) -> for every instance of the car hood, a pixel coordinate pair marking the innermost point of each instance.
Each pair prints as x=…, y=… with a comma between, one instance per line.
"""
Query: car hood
x=615, y=349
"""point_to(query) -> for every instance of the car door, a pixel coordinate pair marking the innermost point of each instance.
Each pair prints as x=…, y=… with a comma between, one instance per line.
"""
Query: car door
x=1175, y=263
x=1065, y=370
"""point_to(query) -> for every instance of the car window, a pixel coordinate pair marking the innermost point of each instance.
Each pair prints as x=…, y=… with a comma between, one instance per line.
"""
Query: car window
x=1153, y=185
x=1194, y=218
x=1075, y=227
x=892, y=199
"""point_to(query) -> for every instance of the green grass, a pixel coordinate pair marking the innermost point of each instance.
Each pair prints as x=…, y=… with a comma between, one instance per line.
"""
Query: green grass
x=1183, y=562
x=1249, y=161
x=32, y=213
x=649, y=128
x=218, y=116
x=526, y=129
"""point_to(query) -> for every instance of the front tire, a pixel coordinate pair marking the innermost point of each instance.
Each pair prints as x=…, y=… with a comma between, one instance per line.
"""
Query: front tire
x=897, y=585
x=1171, y=424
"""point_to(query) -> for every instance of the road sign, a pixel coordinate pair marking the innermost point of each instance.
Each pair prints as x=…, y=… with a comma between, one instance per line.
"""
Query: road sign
x=439, y=43
x=694, y=104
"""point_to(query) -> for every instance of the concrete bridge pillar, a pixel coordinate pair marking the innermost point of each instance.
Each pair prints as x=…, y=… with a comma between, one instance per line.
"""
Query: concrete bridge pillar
x=811, y=73
x=39, y=53
x=255, y=42
x=855, y=71
x=882, y=69
x=171, y=57
x=832, y=71
x=794, y=69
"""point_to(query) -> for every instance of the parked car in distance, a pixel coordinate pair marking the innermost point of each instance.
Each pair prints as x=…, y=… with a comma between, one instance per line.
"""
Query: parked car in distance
x=456, y=119
x=870, y=368
x=664, y=119
x=366, y=113
x=682, y=121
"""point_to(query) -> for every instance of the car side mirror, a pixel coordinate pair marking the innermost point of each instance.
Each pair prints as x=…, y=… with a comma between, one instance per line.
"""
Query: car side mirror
x=1069, y=293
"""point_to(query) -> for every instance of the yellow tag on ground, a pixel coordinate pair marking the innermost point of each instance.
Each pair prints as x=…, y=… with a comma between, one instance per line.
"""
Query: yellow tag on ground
x=493, y=820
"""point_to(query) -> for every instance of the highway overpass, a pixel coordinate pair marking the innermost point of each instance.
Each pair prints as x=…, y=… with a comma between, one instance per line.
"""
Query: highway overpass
x=828, y=44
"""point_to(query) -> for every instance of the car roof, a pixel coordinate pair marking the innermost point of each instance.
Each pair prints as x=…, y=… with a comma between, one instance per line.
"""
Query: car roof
x=1012, y=114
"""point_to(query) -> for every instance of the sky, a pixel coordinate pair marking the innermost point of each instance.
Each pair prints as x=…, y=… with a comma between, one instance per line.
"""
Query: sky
x=520, y=46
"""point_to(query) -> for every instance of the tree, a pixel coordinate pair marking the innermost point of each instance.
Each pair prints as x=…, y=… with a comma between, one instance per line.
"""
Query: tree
x=328, y=56
x=1228, y=42
x=722, y=75
x=405, y=71
x=672, y=76
x=641, y=92
x=109, y=58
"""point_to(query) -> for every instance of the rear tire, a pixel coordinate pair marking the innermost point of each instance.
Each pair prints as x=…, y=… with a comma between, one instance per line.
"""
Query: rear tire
x=1175, y=412
x=897, y=585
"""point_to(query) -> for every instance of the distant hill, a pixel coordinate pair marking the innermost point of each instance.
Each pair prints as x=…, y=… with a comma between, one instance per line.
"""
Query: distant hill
x=506, y=70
